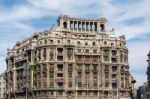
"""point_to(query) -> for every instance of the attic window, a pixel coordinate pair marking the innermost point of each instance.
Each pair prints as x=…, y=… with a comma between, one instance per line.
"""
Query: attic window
x=105, y=43
x=86, y=43
x=102, y=27
x=93, y=43
x=65, y=25
x=45, y=41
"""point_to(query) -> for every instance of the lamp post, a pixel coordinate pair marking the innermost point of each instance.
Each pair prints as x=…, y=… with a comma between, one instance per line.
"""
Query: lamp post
x=132, y=88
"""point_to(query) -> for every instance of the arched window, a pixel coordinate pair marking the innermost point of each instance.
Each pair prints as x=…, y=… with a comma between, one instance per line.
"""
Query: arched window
x=102, y=27
x=65, y=25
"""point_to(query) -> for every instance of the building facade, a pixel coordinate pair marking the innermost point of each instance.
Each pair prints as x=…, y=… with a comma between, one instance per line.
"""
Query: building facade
x=2, y=85
x=143, y=92
x=77, y=59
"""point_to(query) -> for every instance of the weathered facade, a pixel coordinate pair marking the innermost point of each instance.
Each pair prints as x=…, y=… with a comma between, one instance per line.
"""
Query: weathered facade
x=78, y=59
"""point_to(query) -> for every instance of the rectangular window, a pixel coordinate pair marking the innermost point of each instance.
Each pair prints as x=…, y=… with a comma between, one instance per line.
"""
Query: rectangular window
x=51, y=74
x=51, y=84
x=70, y=84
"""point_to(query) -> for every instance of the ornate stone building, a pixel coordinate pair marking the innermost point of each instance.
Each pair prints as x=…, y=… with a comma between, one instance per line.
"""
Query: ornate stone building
x=78, y=59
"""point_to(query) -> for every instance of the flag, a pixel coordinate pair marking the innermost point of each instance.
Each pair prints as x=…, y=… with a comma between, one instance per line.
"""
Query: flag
x=117, y=82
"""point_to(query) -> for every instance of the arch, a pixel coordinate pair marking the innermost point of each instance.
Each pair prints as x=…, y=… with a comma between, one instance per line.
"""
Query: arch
x=65, y=25
x=102, y=27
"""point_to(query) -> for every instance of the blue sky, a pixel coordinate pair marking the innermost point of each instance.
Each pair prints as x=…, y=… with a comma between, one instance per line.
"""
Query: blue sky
x=21, y=18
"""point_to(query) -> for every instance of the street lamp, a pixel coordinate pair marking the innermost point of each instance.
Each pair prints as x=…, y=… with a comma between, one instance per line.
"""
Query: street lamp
x=132, y=88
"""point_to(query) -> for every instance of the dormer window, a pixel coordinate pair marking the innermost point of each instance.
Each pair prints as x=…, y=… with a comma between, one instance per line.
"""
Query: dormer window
x=94, y=44
x=86, y=43
x=65, y=25
x=105, y=43
x=102, y=27
x=78, y=43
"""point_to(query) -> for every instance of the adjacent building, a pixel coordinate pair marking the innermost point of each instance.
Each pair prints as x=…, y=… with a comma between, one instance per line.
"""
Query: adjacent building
x=143, y=92
x=78, y=59
x=2, y=85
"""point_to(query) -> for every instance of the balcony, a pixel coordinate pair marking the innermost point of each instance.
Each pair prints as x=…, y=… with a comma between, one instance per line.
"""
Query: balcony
x=51, y=69
x=79, y=60
x=60, y=79
x=106, y=54
x=59, y=58
x=114, y=80
x=87, y=70
x=87, y=61
x=114, y=60
x=95, y=70
x=70, y=52
x=95, y=61
x=59, y=53
x=79, y=69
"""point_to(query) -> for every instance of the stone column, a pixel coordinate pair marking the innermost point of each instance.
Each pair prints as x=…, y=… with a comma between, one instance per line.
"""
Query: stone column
x=14, y=79
x=98, y=27
x=41, y=71
x=81, y=26
x=93, y=27
x=68, y=25
x=77, y=25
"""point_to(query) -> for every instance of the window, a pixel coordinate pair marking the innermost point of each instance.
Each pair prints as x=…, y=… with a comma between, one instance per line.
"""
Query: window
x=58, y=41
x=94, y=51
x=94, y=44
x=60, y=93
x=95, y=93
x=60, y=58
x=51, y=74
x=102, y=27
x=80, y=93
x=106, y=75
x=106, y=68
x=70, y=75
x=87, y=51
x=79, y=84
x=95, y=84
x=70, y=68
x=106, y=83
x=51, y=41
x=60, y=67
x=65, y=25
x=45, y=41
x=95, y=75
x=78, y=42
x=79, y=50
x=68, y=41
x=105, y=43
x=51, y=84
x=86, y=43
x=59, y=75
x=44, y=54
x=70, y=84
x=112, y=44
